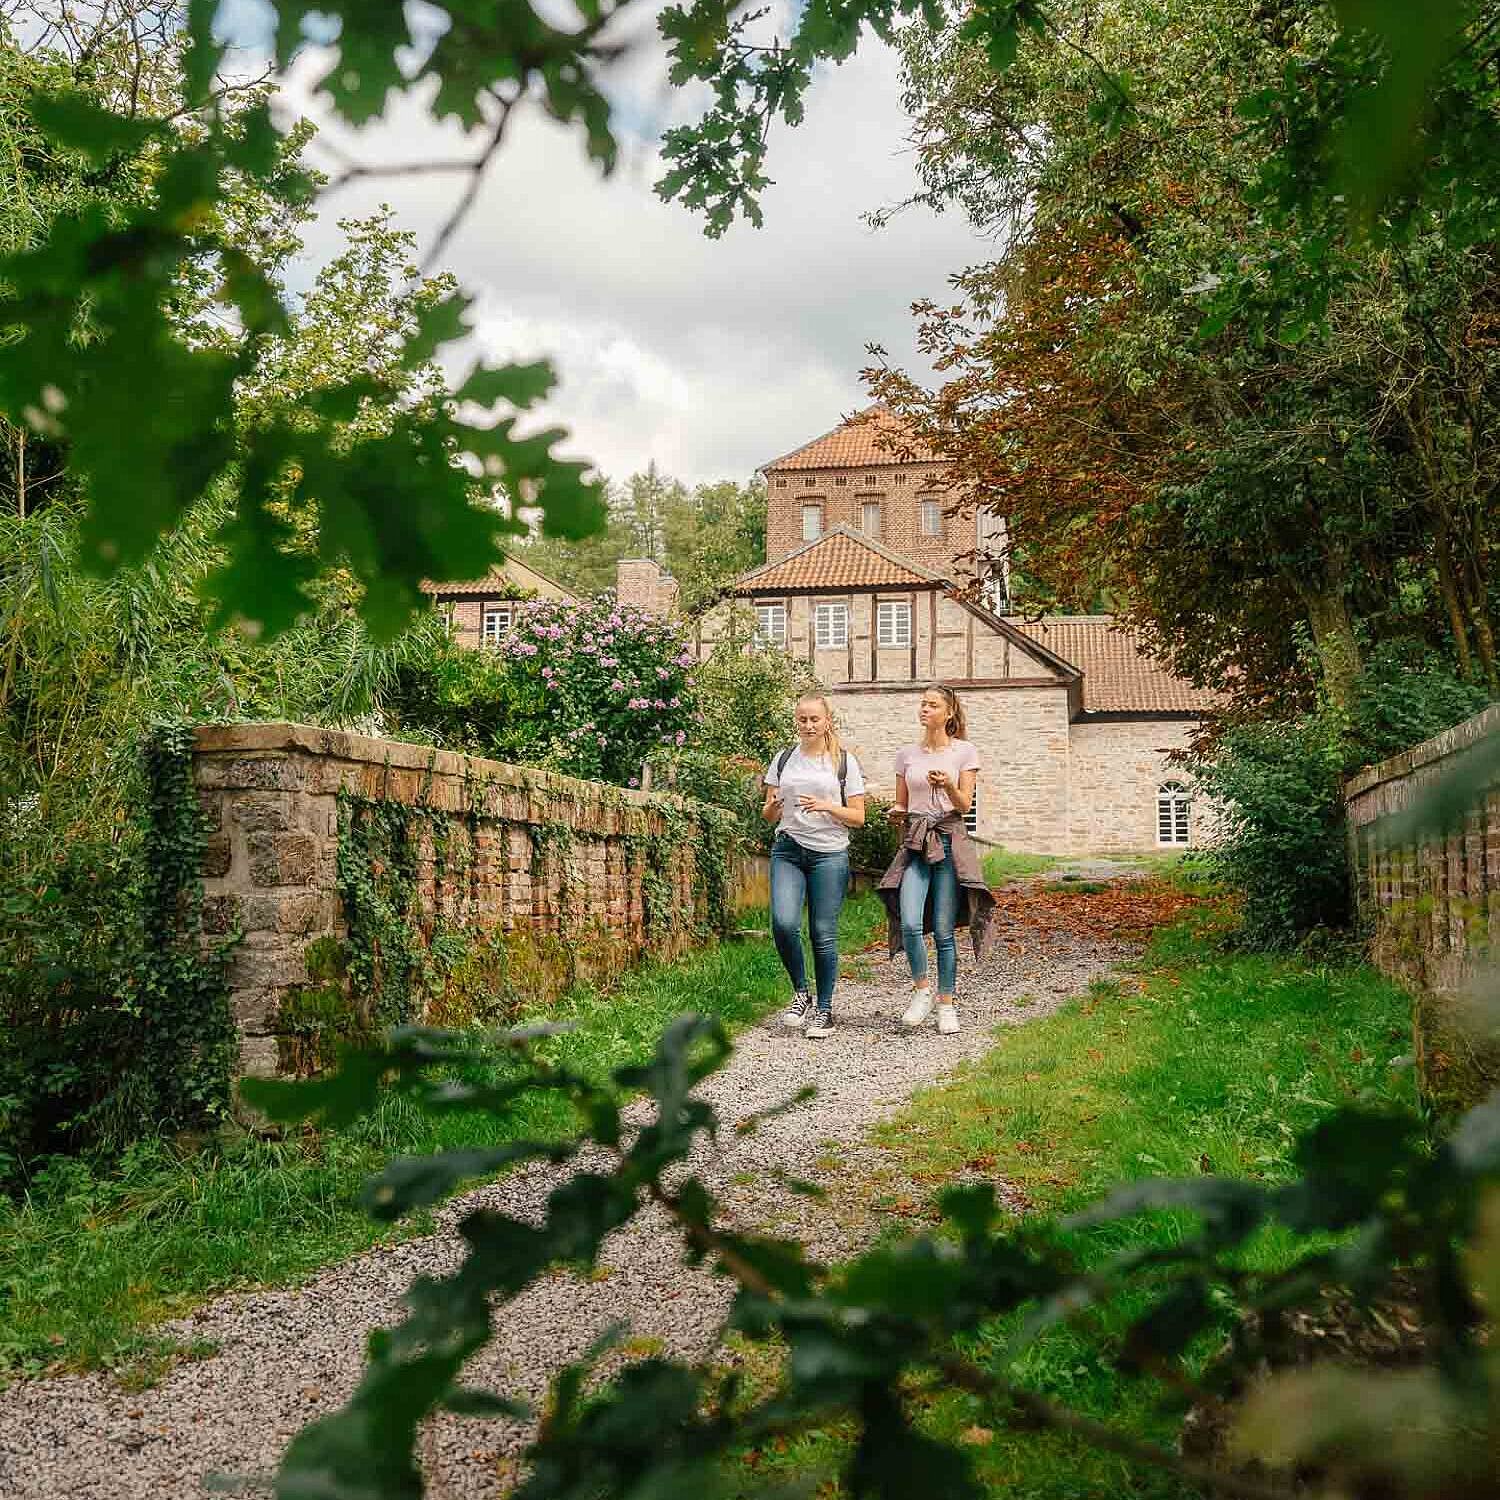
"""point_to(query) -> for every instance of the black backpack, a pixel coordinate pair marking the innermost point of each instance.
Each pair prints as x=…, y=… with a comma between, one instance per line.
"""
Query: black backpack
x=786, y=755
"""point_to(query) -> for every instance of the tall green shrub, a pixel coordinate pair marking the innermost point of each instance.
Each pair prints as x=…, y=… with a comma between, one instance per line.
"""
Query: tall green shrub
x=1280, y=842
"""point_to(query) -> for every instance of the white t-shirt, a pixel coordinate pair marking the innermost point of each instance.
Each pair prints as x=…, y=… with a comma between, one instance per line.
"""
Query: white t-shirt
x=913, y=763
x=813, y=776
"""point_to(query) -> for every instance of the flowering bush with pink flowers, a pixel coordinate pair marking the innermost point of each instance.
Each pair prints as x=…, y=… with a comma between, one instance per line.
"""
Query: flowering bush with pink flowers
x=612, y=684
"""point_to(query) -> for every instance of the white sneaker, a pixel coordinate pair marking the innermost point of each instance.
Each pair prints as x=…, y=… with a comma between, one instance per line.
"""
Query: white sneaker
x=948, y=1020
x=820, y=1025
x=797, y=1012
x=919, y=1009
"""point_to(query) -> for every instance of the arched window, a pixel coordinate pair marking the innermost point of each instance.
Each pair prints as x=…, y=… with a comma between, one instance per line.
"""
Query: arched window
x=1172, y=804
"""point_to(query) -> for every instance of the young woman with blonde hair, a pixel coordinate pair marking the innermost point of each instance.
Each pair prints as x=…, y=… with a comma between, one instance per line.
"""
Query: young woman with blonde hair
x=934, y=883
x=815, y=793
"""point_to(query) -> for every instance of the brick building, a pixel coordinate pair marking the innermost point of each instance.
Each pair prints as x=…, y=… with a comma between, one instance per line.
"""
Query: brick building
x=870, y=476
x=1075, y=723
x=479, y=611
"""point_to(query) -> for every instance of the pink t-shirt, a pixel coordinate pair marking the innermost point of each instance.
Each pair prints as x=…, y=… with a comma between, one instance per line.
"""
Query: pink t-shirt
x=914, y=763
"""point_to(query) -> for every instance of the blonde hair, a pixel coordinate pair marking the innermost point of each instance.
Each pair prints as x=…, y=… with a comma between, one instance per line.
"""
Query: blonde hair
x=956, y=726
x=830, y=735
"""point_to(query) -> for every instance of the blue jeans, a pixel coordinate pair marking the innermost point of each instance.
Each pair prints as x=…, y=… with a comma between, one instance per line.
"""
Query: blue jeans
x=917, y=880
x=820, y=879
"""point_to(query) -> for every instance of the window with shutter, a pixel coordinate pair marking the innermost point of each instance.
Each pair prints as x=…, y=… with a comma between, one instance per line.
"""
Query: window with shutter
x=812, y=522
x=893, y=623
x=496, y=624
x=770, y=624
x=932, y=517
x=831, y=624
x=869, y=519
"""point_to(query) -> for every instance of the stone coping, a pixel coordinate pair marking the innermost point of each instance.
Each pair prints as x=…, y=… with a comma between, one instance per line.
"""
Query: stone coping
x=1450, y=742
x=400, y=755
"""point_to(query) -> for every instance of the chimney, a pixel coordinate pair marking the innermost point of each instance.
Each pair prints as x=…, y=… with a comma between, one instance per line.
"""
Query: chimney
x=636, y=579
x=640, y=583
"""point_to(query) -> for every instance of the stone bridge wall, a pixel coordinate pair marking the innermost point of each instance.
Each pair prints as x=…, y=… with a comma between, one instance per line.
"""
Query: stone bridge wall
x=1431, y=902
x=564, y=878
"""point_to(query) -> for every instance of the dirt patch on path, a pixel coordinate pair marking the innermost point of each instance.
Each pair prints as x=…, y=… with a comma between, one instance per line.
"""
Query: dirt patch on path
x=288, y=1356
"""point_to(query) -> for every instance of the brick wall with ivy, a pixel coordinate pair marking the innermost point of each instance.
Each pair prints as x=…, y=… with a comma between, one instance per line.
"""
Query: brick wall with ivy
x=372, y=883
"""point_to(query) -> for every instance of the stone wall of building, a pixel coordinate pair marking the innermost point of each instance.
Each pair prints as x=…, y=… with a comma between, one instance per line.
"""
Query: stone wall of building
x=1021, y=734
x=840, y=493
x=575, y=875
x=1116, y=769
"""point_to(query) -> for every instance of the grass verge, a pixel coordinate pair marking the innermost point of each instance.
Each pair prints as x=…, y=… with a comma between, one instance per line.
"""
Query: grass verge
x=91, y=1259
x=1195, y=1061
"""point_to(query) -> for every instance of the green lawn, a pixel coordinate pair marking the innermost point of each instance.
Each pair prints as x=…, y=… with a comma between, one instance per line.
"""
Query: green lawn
x=1195, y=1061
x=89, y=1261
x=1001, y=865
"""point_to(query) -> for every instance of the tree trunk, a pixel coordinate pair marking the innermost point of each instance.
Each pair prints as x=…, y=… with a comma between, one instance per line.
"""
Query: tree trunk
x=1334, y=638
x=1448, y=587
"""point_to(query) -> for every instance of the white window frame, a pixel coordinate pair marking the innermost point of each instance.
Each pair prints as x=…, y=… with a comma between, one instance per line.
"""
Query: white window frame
x=815, y=513
x=893, y=622
x=865, y=506
x=444, y=608
x=1173, y=815
x=933, y=509
x=499, y=616
x=770, y=623
x=831, y=625
x=971, y=818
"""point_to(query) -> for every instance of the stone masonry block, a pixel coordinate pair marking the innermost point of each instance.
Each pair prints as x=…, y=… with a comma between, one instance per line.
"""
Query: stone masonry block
x=267, y=773
x=217, y=857
x=221, y=914
x=282, y=858
x=260, y=965
x=259, y=812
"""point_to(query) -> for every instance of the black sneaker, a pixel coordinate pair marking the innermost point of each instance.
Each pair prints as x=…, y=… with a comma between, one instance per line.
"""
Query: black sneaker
x=797, y=1012
x=820, y=1025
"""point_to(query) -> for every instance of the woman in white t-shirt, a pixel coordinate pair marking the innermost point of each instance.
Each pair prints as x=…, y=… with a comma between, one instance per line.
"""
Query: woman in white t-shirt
x=815, y=793
x=934, y=880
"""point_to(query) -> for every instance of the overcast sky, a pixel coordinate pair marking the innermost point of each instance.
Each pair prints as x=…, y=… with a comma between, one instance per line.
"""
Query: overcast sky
x=709, y=356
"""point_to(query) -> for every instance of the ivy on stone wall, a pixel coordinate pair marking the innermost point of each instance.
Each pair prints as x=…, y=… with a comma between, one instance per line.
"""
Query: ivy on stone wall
x=188, y=1044
x=400, y=951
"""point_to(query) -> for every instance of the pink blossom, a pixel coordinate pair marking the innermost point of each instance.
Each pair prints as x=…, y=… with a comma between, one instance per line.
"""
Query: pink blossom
x=661, y=703
x=677, y=703
x=682, y=736
x=663, y=673
x=617, y=686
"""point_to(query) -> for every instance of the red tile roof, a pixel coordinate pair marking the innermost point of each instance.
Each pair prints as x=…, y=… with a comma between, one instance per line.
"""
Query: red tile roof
x=1118, y=675
x=512, y=573
x=869, y=438
x=839, y=559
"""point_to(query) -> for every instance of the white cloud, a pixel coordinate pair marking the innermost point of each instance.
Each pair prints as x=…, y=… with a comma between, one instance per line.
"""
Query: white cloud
x=709, y=357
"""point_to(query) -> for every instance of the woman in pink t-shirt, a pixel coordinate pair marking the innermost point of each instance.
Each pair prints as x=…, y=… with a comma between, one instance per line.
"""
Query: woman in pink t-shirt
x=935, y=780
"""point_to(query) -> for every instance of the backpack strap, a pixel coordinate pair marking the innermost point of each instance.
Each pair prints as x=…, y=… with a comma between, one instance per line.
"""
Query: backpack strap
x=782, y=759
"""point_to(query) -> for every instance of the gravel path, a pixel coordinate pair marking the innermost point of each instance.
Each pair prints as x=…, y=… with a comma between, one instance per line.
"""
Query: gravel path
x=285, y=1357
